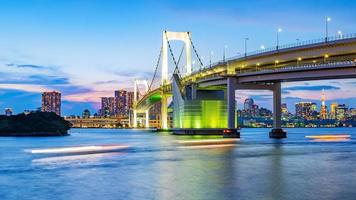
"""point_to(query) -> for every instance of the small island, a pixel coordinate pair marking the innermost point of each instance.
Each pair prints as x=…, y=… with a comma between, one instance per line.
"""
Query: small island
x=34, y=124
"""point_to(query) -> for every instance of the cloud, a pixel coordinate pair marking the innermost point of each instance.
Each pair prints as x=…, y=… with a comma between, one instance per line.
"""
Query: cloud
x=311, y=88
x=34, y=79
x=26, y=66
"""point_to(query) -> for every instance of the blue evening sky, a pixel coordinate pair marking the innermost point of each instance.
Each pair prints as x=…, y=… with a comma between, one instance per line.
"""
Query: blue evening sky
x=89, y=48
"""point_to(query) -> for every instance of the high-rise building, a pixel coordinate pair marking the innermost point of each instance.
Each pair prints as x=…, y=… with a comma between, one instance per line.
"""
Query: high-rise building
x=285, y=111
x=130, y=99
x=51, y=102
x=86, y=114
x=341, y=112
x=8, y=111
x=323, y=109
x=353, y=112
x=333, y=108
x=305, y=110
x=121, y=105
x=107, y=106
x=248, y=104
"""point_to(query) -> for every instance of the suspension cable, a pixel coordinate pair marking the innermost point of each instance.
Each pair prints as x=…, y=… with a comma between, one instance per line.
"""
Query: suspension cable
x=195, y=51
x=156, y=69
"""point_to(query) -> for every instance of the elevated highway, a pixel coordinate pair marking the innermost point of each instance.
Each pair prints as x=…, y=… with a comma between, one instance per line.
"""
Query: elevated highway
x=265, y=70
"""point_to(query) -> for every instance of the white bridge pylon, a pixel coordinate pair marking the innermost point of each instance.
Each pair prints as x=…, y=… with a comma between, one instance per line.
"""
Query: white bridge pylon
x=180, y=36
x=136, y=98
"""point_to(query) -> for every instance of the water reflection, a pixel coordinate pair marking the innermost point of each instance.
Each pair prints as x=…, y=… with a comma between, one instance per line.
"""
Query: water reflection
x=206, y=143
x=197, y=175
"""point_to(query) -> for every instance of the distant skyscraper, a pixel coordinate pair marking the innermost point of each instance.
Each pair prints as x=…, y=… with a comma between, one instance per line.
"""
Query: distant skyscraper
x=305, y=110
x=248, y=105
x=8, y=111
x=341, y=112
x=51, y=102
x=86, y=114
x=284, y=109
x=121, y=103
x=130, y=99
x=333, y=108
x=323, y=109
x=107, y=106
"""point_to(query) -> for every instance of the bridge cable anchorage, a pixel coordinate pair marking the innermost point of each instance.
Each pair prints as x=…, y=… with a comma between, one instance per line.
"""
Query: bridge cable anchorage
x=170, y=50
x=156, y=69
x=195, y=51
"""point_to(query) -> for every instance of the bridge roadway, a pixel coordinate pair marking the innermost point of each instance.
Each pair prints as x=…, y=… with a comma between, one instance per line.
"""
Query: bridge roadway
x=266, y=70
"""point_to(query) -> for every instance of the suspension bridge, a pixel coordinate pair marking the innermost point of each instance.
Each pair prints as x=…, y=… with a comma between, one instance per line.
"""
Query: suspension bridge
x=203, y=100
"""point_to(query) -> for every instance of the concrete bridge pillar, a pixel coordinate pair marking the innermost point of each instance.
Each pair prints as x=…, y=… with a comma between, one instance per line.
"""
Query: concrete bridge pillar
x=194, y=91
x=134, y=118
x=231, y=102
x=164, y=112
x=231, y=131
x=277, y=131
x=147, y=124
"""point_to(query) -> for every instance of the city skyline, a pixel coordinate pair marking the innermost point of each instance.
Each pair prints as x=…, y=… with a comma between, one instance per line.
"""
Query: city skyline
x=102, y=55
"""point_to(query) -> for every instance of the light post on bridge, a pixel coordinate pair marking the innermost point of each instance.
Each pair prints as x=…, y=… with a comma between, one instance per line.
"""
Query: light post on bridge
x=278, y=31
x=225, y=47
x=246, y=46
x=328, y=19
x=339, y=33
x=211, y=54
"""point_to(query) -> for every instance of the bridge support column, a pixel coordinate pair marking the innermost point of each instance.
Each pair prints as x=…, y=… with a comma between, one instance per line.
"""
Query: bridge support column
x=277, y=131
x=164, y=112
x=134, y=118
x=147, y=125
x=231, y=109
x=194, y=91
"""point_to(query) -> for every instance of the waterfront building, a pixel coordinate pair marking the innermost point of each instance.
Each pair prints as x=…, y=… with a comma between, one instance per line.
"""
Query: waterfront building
x=333, y=108
x=51, y=102
x=86, y=114
x=353, y=112
x=130, y=99
x=250, y=108
x=121, y=105
x=107, y=106
x=264, y=112
x=248, y=104
x=341, y=112
x=306, y=110
x=284, y=109
x=8, y=111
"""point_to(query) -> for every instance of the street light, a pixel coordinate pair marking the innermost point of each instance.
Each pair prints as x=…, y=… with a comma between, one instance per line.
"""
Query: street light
x=278, y=31
x=298, y=40
x=328, y=19
x=225, y=47
x=246, y=46
x=211, y=54
x=339, y=33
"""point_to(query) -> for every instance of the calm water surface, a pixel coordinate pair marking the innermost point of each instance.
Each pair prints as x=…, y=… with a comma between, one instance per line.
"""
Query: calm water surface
x=156, y=167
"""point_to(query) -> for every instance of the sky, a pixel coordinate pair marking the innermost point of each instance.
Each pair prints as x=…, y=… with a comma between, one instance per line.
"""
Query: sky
x=89, y=48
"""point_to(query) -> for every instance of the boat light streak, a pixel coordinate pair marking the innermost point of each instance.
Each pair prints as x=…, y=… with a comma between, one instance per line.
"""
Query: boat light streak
x=81, y=149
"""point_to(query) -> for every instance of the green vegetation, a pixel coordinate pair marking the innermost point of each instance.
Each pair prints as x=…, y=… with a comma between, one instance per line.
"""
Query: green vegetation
x=34, y=124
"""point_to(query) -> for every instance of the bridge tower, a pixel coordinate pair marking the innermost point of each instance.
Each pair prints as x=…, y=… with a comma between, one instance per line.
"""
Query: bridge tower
x=166, y=37
x=135, y=112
